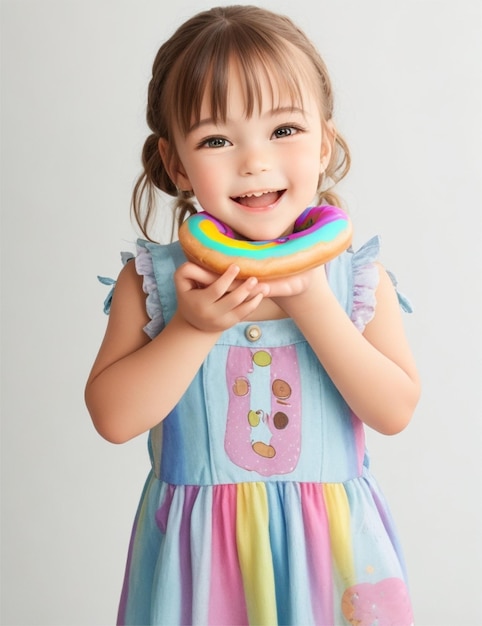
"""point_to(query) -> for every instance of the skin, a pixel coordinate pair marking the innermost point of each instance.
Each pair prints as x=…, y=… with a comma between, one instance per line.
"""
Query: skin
x=281, y=150
x=135, y=382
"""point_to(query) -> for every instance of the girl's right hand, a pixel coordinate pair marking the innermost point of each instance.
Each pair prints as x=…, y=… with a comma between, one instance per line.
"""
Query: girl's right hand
x=214, y=303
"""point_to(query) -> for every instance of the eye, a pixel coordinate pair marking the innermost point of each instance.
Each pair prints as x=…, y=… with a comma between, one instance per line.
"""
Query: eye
x=285, y=131
x=215, y=142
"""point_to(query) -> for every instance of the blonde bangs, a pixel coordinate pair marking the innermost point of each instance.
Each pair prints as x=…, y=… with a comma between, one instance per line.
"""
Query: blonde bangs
x=206, y=67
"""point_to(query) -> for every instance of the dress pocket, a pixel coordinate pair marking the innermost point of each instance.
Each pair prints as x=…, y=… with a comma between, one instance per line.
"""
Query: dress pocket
x=263, y=421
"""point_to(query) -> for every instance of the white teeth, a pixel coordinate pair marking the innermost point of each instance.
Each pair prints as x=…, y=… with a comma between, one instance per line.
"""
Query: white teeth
x=257, y=194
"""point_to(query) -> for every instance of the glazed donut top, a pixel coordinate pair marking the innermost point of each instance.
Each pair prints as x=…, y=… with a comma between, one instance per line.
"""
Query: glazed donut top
x=319, y=234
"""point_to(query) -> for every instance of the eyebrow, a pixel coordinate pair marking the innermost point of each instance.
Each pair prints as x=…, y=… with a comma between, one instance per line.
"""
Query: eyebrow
x=276, y=111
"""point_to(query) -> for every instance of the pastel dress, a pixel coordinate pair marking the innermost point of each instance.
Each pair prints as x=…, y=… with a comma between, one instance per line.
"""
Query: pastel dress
x=260, y=507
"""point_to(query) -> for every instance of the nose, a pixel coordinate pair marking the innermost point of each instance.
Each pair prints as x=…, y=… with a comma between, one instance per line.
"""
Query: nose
x=254, y=160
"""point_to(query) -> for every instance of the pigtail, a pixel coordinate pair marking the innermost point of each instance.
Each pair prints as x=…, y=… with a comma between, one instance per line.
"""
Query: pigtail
x=184, y=206
x=144, y=193
x=154, y=178
x=336, y=170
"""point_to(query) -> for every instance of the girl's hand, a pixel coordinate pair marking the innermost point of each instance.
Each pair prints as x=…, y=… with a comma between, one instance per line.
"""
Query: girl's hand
x=373, y=371
x=214, y=303
x=289, y=286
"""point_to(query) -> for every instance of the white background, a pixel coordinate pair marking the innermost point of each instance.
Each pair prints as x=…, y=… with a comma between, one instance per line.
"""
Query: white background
x=74, y=75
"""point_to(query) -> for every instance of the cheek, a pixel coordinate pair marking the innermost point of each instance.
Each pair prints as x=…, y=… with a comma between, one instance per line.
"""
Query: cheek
x=206, y=182
x=209, y=174
x=308, y=167
x=201, y=173
x=306, y=154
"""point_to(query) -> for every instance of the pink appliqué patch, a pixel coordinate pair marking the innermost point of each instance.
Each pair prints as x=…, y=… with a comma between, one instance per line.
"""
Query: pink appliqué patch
x=385, y=603
x=263, y=426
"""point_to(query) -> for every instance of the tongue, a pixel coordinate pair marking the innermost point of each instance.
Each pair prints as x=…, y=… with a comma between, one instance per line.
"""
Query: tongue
x=254, y=202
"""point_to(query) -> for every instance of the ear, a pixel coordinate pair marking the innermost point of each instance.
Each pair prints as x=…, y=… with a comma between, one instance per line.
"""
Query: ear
x=327, y=143
x=173, y=165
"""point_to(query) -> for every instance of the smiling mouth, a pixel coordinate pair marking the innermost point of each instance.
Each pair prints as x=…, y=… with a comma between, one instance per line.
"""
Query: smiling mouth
x=260, y=199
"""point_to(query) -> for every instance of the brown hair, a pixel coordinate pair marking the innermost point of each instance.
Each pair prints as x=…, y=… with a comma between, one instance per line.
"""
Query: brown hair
x=195, y=61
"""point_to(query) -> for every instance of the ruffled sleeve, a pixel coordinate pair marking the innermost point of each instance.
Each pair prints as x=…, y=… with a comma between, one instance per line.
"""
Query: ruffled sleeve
x=365, y=283
x=145, y=268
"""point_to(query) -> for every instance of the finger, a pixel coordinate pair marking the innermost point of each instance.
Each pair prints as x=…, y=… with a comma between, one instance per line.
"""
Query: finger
x=258, y=288
x=247, y=307
x=224, y=283
x=189, y=276
x=245, y=292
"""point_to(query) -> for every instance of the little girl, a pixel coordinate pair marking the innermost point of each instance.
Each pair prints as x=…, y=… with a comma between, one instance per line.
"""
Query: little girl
x=260, y=507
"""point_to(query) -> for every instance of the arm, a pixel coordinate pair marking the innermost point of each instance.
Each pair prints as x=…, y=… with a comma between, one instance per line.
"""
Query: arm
x=135, y=382
x=373, y=371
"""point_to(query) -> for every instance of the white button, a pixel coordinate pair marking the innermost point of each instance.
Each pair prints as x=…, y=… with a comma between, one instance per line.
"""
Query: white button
x=253, y=333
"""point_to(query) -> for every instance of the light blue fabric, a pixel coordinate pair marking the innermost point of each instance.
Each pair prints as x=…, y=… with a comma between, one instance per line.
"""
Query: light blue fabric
x=169, y=576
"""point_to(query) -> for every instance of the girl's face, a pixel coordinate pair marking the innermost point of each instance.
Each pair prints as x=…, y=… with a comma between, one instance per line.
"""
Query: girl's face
x=257, y=173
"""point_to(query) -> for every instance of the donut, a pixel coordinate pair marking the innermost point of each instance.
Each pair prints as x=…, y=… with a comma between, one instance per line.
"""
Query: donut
x=319, y=235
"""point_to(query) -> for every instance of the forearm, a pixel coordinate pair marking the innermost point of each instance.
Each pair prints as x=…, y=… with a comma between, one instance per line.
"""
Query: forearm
x=136, y=392
x=381, y=392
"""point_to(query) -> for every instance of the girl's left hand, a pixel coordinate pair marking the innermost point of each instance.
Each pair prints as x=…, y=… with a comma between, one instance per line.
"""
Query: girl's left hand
x=294, y=293
x=309, y=282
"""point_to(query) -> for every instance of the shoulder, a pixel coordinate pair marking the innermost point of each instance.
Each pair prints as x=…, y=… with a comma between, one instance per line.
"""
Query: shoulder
x=124, y=333
x=129, y=299
x=366, y=284
x=385, y=292
x=354, y=278
x=128, y=280
x=387, y=318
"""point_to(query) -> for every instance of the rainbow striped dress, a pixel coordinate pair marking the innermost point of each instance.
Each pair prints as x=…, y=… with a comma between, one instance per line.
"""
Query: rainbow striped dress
x=259, y=507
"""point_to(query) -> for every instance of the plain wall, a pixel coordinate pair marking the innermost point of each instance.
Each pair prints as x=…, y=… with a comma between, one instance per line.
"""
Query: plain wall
x=408, y=83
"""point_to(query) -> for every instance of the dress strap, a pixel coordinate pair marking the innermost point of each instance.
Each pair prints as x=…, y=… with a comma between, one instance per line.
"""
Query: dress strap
x=404, y=302
x=125, y=257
